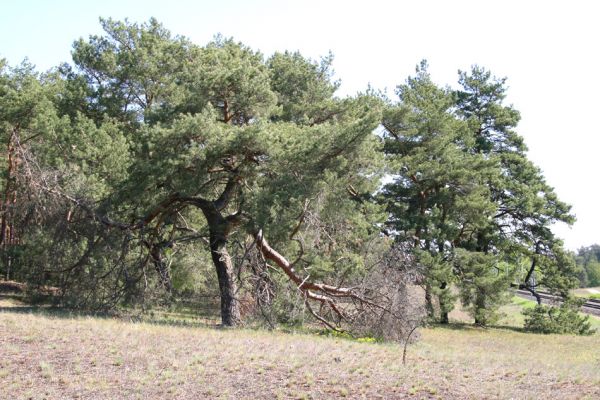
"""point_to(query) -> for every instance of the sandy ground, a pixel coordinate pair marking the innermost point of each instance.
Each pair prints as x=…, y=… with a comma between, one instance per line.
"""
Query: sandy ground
x=46, y=356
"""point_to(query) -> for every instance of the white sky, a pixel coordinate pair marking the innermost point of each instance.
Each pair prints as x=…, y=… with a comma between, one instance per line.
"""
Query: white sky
x=549, y=50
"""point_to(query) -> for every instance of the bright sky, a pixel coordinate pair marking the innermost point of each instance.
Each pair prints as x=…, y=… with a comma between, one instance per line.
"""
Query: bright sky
x=547, y=49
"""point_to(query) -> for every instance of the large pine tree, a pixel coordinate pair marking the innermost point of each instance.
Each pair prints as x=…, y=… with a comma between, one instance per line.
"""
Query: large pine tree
x=159, y=143
x=465, y=193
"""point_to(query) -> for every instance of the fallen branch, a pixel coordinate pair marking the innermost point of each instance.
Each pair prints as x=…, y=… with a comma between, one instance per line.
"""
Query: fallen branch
x=327, y=295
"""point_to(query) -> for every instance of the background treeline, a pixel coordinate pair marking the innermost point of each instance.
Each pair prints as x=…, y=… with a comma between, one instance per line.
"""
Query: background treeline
x=588, y=259
x=132, y=175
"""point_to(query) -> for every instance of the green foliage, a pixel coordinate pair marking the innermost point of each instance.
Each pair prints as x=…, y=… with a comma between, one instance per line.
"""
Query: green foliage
x=136, y=143
x=152, y=157
x=438, y=285
x=588, y=260
x=560, y=320
x=304, y=88
x=131, y=72
x=593, y=273
x=464, y=190
x=234, y=79
x=482, y=283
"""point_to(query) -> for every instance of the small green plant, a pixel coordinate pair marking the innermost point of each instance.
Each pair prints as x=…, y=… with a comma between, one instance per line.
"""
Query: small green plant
x=46, y=369
x=348, y=336
x=366, y=340
x=336, y=334
x=562, y=320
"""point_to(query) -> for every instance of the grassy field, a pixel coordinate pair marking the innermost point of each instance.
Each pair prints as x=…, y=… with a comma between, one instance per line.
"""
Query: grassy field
x=591, y=293
x=56, y=356
x=511, y=316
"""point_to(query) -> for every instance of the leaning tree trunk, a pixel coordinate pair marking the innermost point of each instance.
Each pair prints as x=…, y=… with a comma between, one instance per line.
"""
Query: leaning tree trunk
x=230, y=306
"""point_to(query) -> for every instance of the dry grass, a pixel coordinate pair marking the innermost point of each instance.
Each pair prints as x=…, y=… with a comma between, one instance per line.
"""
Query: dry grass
x=587, y=292
x=45, y=356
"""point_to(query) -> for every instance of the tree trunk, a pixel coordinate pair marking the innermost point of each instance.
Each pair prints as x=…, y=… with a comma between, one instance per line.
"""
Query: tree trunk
x=429, y=302
x=219, y=230
x=443, y=309
x=444, y=317
x=9, y=199
x=161, y=267
x=480, y=305
x=230, y=306
x=529, y=283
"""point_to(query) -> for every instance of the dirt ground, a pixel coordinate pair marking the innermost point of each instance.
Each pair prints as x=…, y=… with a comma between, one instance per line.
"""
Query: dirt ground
x=55, y=356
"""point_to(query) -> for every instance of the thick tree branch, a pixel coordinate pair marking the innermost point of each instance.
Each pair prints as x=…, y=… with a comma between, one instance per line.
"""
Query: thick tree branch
x=271, y=254
x=230, y=188
x=331, y=296
x=390, y=131
x=526, y=285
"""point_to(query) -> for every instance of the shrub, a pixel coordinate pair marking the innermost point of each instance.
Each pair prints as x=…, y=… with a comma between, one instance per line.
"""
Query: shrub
x=563, y=320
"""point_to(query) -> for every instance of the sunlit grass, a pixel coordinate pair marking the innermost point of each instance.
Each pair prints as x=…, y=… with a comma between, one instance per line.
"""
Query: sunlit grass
x=591, y=292
x=511, y=315
x=67, y=356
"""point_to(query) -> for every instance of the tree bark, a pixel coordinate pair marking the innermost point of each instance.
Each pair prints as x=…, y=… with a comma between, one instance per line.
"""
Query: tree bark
x=443, y=313
x=161, y=267
x=220, y=228
x=527, y=284
x=7, y=228
x=444, y=317
x=480, y=305
x=230, y=306
x=429, y=302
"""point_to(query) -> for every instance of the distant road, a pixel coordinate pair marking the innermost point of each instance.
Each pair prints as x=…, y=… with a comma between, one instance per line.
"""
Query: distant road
x=591, y=306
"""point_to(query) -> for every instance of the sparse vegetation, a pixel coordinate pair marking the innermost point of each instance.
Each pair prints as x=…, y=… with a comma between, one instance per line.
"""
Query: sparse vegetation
x=51, y=356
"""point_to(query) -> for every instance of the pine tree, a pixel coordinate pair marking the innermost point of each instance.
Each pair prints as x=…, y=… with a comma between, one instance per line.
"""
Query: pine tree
x=465, y=193
x=162, y=144
x=439, y=196
x=526, y=206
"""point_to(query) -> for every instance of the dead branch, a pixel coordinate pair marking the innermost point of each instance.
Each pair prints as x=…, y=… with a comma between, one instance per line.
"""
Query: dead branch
x=376, y=305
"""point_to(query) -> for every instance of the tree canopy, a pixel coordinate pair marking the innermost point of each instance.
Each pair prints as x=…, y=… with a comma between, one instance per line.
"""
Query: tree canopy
x=150, y=157
x=462, y=181
x=588, y=259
